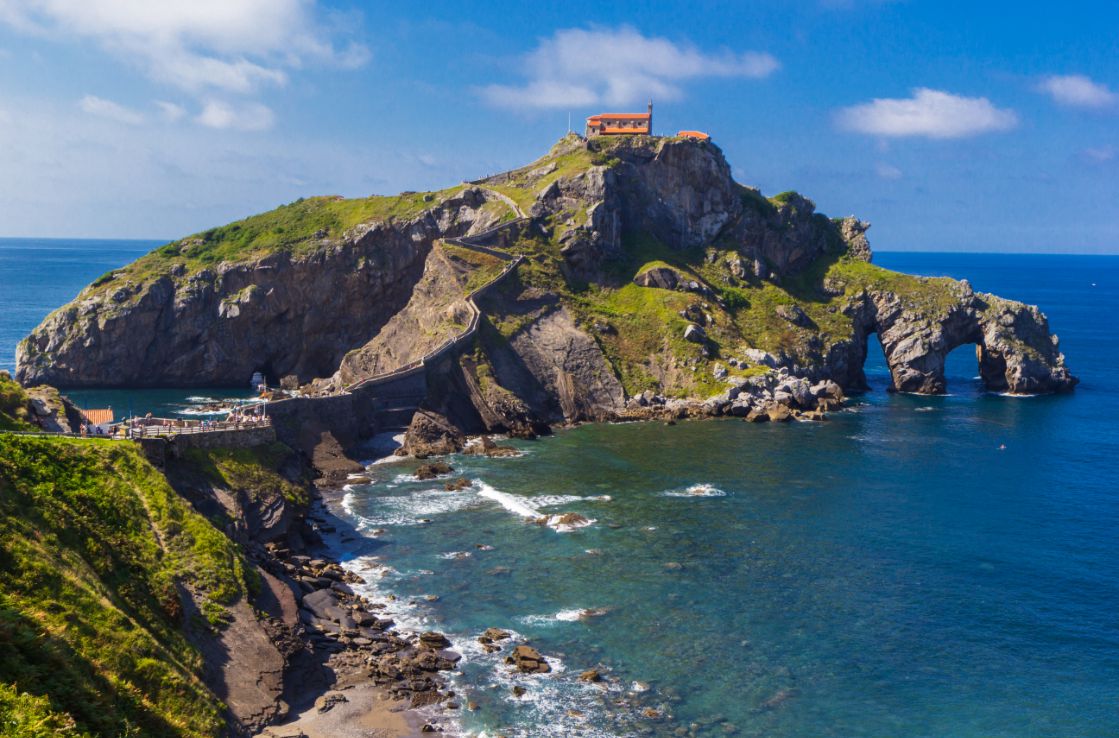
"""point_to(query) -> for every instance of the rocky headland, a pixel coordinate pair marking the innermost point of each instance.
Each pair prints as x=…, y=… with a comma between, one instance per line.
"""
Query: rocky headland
x=651, y=285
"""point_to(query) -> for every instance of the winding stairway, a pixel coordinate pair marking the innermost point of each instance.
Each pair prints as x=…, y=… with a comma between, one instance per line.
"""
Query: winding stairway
x=398, y=393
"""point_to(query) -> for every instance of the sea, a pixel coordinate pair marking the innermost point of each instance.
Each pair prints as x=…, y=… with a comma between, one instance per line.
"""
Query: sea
x=914, y=566
x=38, y=275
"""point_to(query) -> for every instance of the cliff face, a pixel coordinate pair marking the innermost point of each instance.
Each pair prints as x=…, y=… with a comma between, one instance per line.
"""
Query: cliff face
x=647, y=272
x=170, y=321
x=35, y=408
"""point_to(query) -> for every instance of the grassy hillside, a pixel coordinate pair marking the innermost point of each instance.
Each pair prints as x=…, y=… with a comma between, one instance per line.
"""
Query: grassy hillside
x=97, y=550
x=13, y=405
x=296, y=228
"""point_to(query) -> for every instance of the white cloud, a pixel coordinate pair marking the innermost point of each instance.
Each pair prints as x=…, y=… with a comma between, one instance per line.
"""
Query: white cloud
x=929, y=113
x=1077, y=91
x=1101, y=154
x=887, y=171
x=170, y=111
x=580, y=67
x=103, y=108
x=227, y=45
x=246, y=117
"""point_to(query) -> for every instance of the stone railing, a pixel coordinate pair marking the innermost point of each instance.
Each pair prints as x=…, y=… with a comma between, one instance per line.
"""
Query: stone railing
x=147, y=429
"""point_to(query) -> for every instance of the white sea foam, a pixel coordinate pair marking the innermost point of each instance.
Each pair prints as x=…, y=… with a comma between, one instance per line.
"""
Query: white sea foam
x=513, y=503
x=409, y=509
x=455, y=555
x=925, y=409
x=390, y=459
x=553, y=705
x=563, y=616
x=696, y=490
x=557, y=704
x=557, y=500
x=527, y=507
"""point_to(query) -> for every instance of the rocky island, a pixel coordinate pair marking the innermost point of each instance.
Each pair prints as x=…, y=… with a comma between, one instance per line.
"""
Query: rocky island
x=648, y=283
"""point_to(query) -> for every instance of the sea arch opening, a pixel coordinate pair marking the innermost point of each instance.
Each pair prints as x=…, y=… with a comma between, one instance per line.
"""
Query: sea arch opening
x=931, y=367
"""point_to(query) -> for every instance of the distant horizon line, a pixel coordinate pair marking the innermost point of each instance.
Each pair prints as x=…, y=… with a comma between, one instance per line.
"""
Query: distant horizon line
x=873, y=250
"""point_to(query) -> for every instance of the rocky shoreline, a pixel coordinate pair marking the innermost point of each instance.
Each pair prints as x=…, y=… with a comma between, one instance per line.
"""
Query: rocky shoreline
x=382, y=682
x=635, y=708
x=775, y=396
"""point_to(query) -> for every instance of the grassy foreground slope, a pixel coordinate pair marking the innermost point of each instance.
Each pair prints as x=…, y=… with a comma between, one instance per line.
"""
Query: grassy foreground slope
x=97, y=551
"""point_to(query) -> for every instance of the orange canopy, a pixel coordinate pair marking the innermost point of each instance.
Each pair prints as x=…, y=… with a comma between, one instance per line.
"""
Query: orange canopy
x=98, y=417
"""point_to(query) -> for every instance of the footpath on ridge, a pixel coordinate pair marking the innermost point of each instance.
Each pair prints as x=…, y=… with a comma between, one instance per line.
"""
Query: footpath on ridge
x=388, y=400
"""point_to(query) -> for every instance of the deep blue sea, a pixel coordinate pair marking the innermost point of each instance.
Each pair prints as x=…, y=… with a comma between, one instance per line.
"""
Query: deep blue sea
x=38, y=275
x=915, y=566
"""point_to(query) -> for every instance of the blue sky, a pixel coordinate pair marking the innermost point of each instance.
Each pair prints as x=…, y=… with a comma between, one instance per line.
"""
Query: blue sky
x=948, y=125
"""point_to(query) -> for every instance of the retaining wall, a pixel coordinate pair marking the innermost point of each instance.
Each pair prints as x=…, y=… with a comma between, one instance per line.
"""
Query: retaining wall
x=160, y=448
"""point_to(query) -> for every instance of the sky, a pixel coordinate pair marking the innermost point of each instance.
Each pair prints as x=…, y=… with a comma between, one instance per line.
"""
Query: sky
x=948, y=125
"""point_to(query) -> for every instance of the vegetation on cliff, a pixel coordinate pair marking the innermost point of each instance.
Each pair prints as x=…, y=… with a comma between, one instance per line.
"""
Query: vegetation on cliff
x=629, y=243
x=298, y=228
x=98, y=553
x=14, y=411
x=252, y=471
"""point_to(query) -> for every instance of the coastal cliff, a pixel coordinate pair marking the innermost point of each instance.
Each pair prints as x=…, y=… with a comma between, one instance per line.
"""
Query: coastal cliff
x=651, y=282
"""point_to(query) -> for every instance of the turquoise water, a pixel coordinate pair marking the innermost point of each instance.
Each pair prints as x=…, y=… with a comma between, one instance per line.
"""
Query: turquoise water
x=891, y=572
x=918, y=566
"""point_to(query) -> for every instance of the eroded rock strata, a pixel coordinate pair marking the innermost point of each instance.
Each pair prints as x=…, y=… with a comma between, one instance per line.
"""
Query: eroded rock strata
x=647, y=273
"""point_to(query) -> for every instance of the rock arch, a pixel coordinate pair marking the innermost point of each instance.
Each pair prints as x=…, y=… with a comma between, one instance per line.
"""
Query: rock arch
x=1014, y=350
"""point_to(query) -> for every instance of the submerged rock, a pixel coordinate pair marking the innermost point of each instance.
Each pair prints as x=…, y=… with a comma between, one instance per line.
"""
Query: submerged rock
x=433, y=470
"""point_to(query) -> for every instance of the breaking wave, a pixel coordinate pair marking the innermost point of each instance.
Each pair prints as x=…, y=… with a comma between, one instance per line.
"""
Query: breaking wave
x=696, y=490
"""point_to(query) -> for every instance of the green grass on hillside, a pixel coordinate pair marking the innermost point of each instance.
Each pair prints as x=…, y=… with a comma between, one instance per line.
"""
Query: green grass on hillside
x=297, y=228
x=23, y=715
x=934, y=295
x=249, y=470
x=94, y=546
x=13, y=405
x=480, y=268
x=567, y=158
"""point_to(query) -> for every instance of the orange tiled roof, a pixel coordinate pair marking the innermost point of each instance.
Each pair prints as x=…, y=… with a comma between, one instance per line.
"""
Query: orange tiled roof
x=604, y=117
x=694, y=134
x=619, y=116
x=98, y=417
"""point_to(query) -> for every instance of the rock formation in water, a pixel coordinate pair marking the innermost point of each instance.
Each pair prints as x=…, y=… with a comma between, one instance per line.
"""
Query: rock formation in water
x=647, y=273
